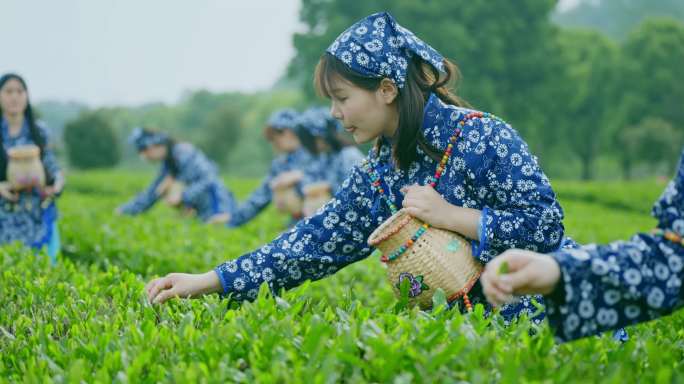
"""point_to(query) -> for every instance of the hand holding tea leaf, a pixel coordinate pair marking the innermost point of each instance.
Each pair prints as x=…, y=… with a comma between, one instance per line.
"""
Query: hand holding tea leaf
x=183, y=285
x=518, y=272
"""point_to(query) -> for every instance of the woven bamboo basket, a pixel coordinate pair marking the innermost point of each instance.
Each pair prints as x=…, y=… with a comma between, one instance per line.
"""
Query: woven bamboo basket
x=437, y=259
x=315, y=196
x=287, y=199
x=24, y=168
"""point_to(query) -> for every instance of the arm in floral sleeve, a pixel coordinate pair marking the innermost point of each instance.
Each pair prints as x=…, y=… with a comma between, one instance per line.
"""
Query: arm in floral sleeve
x=254, y=204
x=259, y=199
x=521, y=210
x=316, y=247
x=615, y=285
x=145, y=199
x=49, y=159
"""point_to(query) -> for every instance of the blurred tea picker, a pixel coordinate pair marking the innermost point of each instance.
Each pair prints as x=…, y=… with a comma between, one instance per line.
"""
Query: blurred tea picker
x=30, y=178
x=315, y=196
x=334, y=157
x=286, y=197
x=187, y=179
x=278, y=185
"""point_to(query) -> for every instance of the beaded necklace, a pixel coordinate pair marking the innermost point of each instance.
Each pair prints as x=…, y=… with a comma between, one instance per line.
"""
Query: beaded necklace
x=431, y=181
x=669, y=235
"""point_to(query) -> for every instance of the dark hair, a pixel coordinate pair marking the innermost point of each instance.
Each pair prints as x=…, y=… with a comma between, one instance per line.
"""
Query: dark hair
x=307, y=140
x=170, y=142
x=36, y=135
x=333, y=138
x=421, y=80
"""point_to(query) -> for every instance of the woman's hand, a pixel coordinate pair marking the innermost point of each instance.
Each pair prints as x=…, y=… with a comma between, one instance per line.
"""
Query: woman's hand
x=183, y=285
x=426, y=204
x=55, y=189
x=527, y=273
x=7, y=193
x=286, y=179
x=219, y=219
x=174, y=198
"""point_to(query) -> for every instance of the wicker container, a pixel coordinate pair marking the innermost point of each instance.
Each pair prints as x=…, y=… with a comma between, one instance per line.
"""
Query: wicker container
x=315, y=196
x=24, y=168
x=438, y=259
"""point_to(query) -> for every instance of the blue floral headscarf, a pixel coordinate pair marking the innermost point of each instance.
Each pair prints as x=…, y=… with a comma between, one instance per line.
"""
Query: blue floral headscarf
x=283, y=119
x=316, y=121
x=377, y=46
x=142, y=138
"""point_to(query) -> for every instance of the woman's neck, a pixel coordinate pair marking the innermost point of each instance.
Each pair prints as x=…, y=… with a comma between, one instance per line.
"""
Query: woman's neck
x=14, y=123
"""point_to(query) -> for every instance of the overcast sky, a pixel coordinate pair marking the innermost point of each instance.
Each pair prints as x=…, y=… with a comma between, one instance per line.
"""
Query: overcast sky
x=104, y=52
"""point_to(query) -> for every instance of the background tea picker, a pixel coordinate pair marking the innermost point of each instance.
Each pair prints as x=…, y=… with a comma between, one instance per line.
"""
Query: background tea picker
x=186, y=180
x=30, y=178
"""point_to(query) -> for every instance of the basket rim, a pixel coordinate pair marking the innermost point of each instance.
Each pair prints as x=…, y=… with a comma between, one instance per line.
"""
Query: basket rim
x=379, y=235
x=23, y=151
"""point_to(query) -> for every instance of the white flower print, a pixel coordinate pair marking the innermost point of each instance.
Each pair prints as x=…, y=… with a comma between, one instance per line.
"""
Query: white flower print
x=516, y=160
x=246, y=265
x=267, y=274
x=611, y=297
x=231, y=266
x=632, y=311
x=655, y=298
x=632, y=276
x=373, y=45
x=502, y=150
x=607, y=317
x=586, y=309
x=662, y=272
x=362, y=59
x=346, y=57
x=239, y=284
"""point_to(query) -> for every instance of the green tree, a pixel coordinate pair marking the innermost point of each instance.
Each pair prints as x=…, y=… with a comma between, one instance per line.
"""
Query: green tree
x=91, y=142
x=222, y=131
x=617, y=18
x=583, y=94
x=653, y=68
x=652, y=141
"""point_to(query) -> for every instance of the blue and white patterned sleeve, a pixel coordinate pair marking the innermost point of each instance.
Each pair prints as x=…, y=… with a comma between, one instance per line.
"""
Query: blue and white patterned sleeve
x=625, y=282
x=615, y=285
x=316, y=247
x=254, y=204
x=49, y=159
x=521, y=210
x=196, y=168
x=145, y=199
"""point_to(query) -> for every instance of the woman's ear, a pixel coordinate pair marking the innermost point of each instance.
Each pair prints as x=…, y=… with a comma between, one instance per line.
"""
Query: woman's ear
x=388, y=91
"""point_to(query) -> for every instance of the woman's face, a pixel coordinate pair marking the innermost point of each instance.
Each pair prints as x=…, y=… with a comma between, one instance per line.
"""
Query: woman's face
x=285, y=140
x=363, y=113
x=13, y=97
x=154, y=153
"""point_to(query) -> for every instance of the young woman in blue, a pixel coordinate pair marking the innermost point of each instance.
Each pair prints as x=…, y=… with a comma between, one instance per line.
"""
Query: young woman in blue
x=280, y=131
x=203, y=194
x=388, y=86
x=29, y=217
x=596, y=288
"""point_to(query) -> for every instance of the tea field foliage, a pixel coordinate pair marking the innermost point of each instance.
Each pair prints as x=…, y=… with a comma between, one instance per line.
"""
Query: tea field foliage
x=86, y=319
